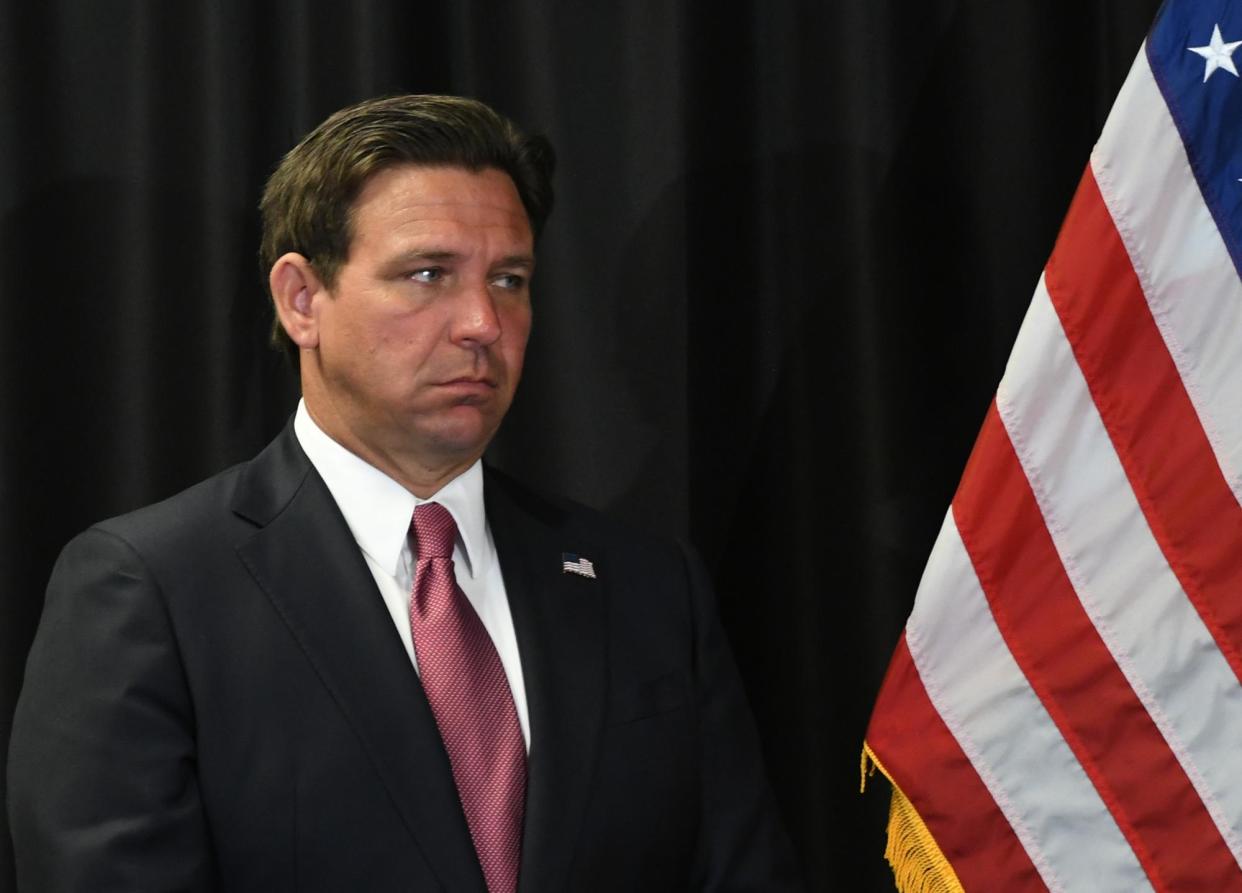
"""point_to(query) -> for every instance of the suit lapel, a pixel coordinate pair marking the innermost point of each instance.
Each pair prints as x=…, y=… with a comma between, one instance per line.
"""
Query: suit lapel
x=305, y=559
x=559, y=620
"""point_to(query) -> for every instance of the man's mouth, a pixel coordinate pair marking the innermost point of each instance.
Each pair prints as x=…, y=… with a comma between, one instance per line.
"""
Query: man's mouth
x=469, y=386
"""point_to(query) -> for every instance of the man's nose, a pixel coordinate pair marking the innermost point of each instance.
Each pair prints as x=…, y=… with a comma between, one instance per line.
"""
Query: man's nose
x=476, y=322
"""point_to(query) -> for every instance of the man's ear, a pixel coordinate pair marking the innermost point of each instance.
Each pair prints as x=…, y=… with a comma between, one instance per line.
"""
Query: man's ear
x=295, y=287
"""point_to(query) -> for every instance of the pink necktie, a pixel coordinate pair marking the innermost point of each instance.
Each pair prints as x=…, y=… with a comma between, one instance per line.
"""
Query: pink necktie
x=470, y=698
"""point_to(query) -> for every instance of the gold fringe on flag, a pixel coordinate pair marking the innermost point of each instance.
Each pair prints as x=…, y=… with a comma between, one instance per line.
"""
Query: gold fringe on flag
x=918, y=865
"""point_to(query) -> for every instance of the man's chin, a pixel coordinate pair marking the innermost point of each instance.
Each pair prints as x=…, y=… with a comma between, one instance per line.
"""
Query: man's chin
x=464, y=433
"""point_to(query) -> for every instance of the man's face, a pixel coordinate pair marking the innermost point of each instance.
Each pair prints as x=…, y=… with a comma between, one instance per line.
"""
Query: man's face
x=422, y=338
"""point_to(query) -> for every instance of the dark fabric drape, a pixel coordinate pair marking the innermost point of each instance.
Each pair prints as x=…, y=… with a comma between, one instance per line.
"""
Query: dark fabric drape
x=793, y=244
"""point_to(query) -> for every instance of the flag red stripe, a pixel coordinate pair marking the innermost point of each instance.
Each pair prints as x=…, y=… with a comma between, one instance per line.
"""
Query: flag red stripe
x=1071, y=669
x=911, y=739
x=1150, y=419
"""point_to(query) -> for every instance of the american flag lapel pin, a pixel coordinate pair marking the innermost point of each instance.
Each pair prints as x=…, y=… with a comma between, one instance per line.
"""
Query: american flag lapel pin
x=576, y=564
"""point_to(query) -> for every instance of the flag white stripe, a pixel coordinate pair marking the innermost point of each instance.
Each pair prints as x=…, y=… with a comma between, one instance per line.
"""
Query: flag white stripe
x=1001, y=725
x=1180, y=257
x=1116, y=566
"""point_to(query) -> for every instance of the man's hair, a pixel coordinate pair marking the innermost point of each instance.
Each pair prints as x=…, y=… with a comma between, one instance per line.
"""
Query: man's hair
x=308, y=202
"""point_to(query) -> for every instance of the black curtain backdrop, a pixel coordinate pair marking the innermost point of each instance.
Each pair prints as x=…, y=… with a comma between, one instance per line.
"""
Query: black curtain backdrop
x=793, y=244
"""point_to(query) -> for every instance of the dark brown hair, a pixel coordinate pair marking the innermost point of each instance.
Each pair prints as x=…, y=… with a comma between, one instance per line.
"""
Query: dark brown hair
x=308, y=201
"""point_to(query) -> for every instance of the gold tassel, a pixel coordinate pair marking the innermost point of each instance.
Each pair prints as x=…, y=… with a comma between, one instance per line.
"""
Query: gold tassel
x=918, y=864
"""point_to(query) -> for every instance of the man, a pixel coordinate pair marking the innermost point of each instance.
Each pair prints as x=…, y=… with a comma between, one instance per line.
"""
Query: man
x=362, y=661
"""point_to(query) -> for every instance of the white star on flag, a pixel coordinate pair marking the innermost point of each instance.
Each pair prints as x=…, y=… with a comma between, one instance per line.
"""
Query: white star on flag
x=1218, y=54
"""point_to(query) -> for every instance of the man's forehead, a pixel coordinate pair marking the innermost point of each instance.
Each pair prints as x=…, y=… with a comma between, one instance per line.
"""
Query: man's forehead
x=424, y=210
x=433, y=185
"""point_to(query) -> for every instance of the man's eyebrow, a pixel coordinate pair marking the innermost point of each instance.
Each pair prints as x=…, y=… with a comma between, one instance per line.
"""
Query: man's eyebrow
x=425, y=254
x=525, y=261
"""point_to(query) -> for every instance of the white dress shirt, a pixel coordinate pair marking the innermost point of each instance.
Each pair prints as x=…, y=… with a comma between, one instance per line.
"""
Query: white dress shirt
x=378, y=511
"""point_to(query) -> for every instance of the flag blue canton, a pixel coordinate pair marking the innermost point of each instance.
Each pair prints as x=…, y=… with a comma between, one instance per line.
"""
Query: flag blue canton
x=1207, y=112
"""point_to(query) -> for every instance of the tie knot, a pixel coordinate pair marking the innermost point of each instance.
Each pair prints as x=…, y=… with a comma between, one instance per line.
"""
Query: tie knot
x=434, y=530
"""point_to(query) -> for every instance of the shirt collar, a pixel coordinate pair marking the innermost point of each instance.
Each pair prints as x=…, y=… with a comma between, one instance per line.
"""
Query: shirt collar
x=378, y=509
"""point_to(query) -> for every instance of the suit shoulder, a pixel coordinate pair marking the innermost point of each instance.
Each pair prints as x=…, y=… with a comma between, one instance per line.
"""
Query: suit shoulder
x=223, y=506
x=195, y=509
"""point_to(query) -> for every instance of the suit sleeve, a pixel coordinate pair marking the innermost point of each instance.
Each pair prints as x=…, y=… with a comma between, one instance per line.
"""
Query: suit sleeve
x=742, y=845
x=103, y=794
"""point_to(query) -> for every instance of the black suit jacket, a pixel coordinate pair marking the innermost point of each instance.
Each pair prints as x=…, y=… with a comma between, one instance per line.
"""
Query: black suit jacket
x=217, y=699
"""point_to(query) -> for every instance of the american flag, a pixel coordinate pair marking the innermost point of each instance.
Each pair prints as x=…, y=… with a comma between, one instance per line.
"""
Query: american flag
x=576, y=564
x=1064, y=709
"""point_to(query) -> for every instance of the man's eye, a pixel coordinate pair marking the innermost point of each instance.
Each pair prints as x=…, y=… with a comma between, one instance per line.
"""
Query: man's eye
x=427, y=274
x=510, y=281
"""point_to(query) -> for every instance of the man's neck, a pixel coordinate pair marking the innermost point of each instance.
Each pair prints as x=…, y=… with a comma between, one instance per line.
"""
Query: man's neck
x=412, y=472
